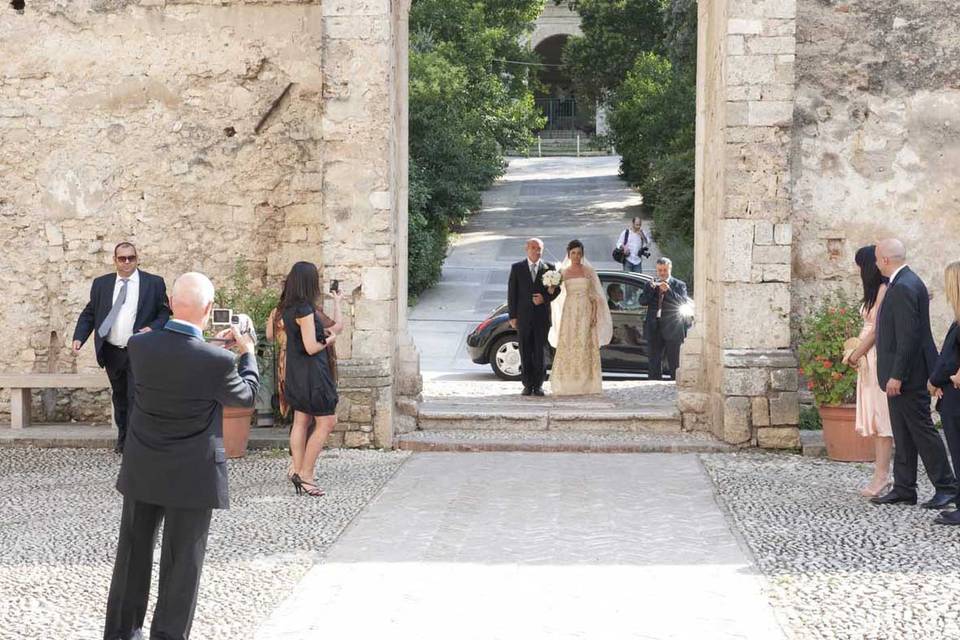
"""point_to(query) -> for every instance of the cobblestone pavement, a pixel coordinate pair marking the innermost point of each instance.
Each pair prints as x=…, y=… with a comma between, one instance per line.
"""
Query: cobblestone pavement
x=616, y=393
x=534, y=546
x=59, y=516
x=838, y=566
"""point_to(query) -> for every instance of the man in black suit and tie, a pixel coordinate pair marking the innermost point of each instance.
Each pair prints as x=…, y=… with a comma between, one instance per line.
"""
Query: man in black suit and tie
x=121, y=304
x=529, y=306
x=906, y=357
x=665, y=326
x=174, y=466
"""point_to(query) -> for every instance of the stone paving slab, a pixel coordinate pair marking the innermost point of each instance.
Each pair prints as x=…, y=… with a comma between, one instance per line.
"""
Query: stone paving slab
x=534, y=546
x=59, y=515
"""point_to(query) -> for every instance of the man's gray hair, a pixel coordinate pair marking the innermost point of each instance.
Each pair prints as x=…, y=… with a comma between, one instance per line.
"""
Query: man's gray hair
x=536, y=241
x=665, y=260
x=193, y=289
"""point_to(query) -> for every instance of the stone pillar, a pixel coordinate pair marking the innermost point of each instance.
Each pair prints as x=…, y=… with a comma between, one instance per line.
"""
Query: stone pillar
x=408, y=382
x=738, y=376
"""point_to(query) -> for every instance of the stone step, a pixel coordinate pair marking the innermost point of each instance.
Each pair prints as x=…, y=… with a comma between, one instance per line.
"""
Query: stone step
x=547, y=416
x=559, y=441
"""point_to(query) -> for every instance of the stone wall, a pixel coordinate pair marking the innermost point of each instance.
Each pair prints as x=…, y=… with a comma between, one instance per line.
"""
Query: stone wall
x=876, y=141
x=206, y=132
x=738, y=373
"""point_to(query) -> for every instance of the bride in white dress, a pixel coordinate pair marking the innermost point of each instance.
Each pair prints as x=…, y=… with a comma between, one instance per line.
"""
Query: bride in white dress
x=581, y=325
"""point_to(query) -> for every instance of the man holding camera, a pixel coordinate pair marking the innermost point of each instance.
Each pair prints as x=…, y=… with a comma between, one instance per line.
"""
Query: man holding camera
x=121, y=304
x=174, y=468
x=665, y=326
x=631, y=247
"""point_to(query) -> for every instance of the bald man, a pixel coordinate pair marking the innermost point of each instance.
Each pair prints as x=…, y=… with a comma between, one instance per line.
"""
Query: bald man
x=906, y=357
x=174, y=466
x=528, y=302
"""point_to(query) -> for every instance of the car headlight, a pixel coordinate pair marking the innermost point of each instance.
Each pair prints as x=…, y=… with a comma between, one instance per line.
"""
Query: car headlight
x=686, y=309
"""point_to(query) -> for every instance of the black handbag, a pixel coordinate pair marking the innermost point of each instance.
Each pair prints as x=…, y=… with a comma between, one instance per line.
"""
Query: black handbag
x=619, y=253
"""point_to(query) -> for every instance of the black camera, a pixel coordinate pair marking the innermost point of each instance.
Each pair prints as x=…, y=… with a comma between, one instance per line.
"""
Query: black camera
x=644, y=252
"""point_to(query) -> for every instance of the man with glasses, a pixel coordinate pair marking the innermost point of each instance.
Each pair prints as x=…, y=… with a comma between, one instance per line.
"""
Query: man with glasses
x=121, y=304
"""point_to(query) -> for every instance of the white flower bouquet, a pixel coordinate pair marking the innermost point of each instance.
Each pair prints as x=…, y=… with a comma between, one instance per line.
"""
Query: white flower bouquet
x=552, y=278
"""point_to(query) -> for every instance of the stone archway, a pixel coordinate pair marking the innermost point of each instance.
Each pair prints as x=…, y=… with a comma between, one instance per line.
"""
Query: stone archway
x=739, y=377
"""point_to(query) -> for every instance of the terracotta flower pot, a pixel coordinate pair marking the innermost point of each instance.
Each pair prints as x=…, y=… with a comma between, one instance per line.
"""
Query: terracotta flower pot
x=840, y=436
x=236, y=430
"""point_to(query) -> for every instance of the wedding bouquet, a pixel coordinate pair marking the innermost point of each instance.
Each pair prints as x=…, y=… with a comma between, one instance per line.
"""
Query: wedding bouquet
x=551, y=278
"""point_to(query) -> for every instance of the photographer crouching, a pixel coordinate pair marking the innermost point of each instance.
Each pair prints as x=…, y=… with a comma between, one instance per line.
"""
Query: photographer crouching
x=632, y=247
x=665, y=327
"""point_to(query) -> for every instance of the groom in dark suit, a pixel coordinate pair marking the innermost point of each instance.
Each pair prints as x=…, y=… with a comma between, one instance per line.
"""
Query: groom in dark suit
x=174, y=469
x=906, y=357
x=121, y=304
x=529, y=305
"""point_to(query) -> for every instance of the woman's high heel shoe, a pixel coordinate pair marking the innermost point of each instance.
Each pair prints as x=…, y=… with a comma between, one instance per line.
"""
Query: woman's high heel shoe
x=881, y=491
x=306, y=487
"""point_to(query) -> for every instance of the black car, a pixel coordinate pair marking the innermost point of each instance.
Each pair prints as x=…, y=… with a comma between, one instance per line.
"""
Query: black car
x=494, y=342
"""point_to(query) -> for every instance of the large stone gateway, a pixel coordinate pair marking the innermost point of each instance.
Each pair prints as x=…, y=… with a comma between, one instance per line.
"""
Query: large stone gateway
x=275, y=130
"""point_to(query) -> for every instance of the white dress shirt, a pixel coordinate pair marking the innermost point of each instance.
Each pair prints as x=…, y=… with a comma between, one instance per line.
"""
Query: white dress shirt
x=530, y=266
x=122, y=327
x=635, y=242
x=893, y=276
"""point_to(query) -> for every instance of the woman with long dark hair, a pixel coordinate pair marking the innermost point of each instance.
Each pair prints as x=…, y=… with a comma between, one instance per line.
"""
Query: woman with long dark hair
x=310, y=385
x=873, y=413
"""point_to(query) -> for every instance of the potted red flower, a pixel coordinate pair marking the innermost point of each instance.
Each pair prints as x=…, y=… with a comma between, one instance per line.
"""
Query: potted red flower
x=834, y=384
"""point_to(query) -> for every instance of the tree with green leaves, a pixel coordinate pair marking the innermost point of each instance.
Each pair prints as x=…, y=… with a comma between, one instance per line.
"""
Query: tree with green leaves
x=468, y=102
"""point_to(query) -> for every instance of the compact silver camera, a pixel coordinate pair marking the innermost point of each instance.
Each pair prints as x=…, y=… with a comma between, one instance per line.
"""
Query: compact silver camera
x=224, y=318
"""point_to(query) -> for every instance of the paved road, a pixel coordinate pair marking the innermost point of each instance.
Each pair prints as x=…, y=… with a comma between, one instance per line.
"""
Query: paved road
x=556, y=199
x=535, y=546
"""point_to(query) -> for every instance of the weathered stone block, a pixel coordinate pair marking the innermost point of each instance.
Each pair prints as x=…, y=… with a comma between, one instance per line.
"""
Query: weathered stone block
x=773, y=254
x=755, y=316
x=740, y=25
x=784, y=379
x=766, y=113
x=737, y=236
x=785, y=408
x=763, y=232
x=775, y=273
x=760, y=358
x=377, y=283
x=778, y=437
x=691, y=402
x=736, y=420
x=751, y=70
x=783, y=234
x=745, y=382
x=760, y=411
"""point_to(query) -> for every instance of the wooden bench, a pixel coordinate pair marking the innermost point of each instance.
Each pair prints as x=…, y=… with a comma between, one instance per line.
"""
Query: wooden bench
x=21, y=384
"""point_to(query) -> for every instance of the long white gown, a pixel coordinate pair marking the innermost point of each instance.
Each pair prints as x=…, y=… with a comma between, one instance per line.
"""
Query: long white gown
x=577, y=337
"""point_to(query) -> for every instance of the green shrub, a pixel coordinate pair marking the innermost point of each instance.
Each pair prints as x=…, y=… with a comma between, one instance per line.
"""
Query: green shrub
x=427, y=249
x=810, y=419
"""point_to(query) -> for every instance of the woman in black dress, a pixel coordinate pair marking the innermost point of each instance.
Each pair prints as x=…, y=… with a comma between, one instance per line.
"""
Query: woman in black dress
x=310, y=385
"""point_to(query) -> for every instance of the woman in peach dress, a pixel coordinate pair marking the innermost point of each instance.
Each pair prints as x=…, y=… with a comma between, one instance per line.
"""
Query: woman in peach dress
x=873, y=414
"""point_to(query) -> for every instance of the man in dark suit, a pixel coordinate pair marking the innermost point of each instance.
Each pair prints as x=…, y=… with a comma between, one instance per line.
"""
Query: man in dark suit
x=665, y=326
x=906, y=356
x=121, y=304
x=174, y=466
x=529, y=306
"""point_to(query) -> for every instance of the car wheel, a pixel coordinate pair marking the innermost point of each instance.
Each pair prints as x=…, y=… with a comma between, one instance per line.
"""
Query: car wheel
x=505, y=357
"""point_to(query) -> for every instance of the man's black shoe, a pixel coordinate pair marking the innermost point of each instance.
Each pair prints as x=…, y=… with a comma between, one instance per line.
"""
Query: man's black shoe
x=538, y=391
x=893, y=498
x=948, y=517
x=526, y=391
x=939, y=501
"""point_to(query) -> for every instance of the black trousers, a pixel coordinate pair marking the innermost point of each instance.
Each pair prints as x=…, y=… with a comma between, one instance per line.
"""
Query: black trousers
x=951, y=429
x=117, y=363
x=660, y=348
x=181, y=559
x=533, y=345
x=913, y=435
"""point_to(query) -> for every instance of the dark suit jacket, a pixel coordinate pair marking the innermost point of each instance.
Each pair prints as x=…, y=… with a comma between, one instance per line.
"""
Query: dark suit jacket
x=174, y=454
x=905, y=347
x=152, y=309
x=673, y=326
x=947, y=364
x=520, y=290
